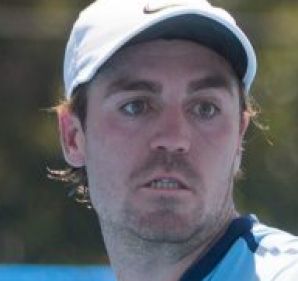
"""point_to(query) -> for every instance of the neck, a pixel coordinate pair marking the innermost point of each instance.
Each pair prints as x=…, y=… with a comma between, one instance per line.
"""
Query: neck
x=133, y=258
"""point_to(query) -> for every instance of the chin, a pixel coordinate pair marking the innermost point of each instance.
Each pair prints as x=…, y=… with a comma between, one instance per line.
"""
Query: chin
x=165, y=226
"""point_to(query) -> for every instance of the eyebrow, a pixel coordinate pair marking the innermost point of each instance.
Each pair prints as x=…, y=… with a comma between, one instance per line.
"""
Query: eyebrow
x=133, y=85
x=129, y=84
x=210, y=81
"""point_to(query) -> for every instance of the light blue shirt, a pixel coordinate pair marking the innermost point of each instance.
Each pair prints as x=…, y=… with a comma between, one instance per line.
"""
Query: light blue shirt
x=248, y=251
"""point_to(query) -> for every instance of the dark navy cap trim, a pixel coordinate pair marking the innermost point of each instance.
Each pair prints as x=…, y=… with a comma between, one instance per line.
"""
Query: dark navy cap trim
x=204, y=265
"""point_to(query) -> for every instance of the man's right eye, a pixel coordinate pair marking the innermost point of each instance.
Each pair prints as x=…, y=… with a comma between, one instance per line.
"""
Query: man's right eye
x=134, y=108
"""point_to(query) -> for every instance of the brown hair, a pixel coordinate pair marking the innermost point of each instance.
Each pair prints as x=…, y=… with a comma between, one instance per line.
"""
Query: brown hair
x=76, y=178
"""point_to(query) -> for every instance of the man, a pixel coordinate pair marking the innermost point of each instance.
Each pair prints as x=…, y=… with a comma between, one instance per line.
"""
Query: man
x=157, y=105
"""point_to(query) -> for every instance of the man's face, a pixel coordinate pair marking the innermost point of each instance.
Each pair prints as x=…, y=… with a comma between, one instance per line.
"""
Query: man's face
x=162, y=140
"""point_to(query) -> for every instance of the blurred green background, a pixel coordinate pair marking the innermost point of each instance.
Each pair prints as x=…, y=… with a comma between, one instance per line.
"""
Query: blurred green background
x=38, y=222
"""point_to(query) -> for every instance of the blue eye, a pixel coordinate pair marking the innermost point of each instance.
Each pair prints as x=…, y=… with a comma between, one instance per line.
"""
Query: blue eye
x=134, y=108
x=205, y=110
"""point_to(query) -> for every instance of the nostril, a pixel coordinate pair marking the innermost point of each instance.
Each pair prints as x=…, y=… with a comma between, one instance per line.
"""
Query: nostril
x=160, y=147
x=181, y=150
x=170, y=148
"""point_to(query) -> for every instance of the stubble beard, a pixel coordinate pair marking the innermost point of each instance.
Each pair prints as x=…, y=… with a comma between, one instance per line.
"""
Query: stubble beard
x=167, y=225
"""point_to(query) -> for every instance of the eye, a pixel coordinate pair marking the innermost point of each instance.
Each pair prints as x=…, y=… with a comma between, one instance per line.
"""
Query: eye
x=205, y=110
x=135, y=108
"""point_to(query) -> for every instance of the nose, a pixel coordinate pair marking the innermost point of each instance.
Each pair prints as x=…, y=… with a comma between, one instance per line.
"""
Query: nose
x=171, y=133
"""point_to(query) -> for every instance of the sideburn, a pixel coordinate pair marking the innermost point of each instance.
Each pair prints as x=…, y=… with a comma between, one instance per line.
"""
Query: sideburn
x=78, y=104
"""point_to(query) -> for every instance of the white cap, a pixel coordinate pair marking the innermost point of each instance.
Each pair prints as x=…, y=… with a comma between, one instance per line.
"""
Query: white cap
x=107, y=25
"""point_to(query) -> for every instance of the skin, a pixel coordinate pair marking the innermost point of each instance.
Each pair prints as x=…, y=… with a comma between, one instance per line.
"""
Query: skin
x=161, y=109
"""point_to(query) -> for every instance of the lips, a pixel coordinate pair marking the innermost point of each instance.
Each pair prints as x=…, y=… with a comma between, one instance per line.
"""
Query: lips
x=166, y=183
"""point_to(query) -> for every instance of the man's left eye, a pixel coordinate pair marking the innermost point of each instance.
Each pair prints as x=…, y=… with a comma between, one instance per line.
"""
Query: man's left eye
x=205, y=110
x=134, y=108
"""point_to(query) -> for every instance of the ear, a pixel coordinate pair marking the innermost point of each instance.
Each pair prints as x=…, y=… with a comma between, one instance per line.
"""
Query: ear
x=72, y=138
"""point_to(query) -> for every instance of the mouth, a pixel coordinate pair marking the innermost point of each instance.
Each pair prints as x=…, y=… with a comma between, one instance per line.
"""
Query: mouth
x=166, y=183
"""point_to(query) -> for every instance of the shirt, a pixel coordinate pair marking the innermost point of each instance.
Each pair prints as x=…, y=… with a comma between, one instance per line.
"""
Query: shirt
x=248, y=251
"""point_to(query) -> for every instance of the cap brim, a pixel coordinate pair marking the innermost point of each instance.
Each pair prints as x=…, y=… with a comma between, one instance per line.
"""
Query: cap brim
x=203, y=30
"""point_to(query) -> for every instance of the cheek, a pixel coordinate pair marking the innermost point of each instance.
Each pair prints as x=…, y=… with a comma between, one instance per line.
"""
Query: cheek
x=112, y=147
x=113, y=152
x=216, y=155
x=217, y=144
x=113, y=130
